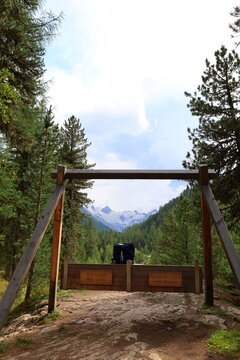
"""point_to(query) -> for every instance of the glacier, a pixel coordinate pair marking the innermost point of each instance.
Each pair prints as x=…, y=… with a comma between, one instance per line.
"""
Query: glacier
x=116, y=220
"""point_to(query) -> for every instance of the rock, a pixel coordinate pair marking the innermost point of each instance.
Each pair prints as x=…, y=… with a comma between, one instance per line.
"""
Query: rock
x=155, y=356
x=214, y=320
x=131, y=336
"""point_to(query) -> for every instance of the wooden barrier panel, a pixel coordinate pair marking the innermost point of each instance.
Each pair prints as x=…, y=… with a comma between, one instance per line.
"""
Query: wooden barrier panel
x=95, y=277
x=160, y=278
x=153, y=278
x=165, y=279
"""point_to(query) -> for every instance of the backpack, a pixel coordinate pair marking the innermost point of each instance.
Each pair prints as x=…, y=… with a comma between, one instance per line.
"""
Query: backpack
x=122, y=253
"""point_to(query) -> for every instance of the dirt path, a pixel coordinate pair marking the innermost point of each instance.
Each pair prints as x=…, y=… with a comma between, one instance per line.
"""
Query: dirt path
x=123, y=326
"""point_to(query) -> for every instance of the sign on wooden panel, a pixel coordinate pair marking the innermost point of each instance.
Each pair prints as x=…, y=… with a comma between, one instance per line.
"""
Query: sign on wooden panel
x=95, y=277
x=165, y=279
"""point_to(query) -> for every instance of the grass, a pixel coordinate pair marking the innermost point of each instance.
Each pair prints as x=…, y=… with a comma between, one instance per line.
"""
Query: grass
x=62, y=293
x=4, y=345
x=25, y=307
x=23, y=341
x=62, y=327
x=20, y=341
x=210, y=310
x=3, y=284
x=225, y=342
x=55, y=315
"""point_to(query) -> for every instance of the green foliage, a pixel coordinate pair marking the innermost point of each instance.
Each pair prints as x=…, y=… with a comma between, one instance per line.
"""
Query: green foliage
x=24, y=36
x=3, y=284
x=63, y=293
x=25, y=188
x=74, y=155
x=177, y=240
x=23, y=341
x=9, y=97
x=20, y=341
x=210, y=310
x=216, y=140
x=54, y=315
x=29, y=143
x=225, y=342
x=143, y=235
x=4, y=346
x=28, y=306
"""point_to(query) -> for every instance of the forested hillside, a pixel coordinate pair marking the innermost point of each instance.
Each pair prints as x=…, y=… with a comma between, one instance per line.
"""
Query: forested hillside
x=171, y=236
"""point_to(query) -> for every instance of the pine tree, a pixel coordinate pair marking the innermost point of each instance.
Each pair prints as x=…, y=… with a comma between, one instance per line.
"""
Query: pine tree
x=74, y=156
x=24, y=34
x=26, y=184
x=25, y=30
x=44, y=157
x=9, y=197
x=216, y=141
x=177, y=240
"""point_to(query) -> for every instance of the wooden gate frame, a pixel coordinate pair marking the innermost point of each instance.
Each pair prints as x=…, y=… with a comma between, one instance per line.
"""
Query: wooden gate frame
x=55, y=206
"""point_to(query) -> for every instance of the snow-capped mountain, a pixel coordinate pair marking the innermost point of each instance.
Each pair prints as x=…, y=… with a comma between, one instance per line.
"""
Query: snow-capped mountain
x=116, y=220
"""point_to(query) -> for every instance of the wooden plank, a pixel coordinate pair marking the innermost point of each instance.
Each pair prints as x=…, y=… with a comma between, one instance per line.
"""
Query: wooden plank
x=197, y=278
x=226, y=240
x=95, y=277
x=65, y=274
x=118, y=276
x=29, y=253
x=140, y=278
x=133, y=174
x=56, y=244
x=207, y=241
x=165, y=279
x=204, y=173
x=207, y=249
x=129, y=275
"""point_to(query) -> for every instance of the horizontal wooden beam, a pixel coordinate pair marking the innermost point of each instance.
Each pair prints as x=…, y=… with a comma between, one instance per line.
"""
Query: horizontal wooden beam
x=134, y=174
x=228, y=245
x=29, y=253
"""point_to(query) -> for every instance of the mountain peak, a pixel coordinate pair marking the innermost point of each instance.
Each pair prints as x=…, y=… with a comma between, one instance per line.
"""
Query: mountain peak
x=116, y=220
x=152, y=212
x=106, y=210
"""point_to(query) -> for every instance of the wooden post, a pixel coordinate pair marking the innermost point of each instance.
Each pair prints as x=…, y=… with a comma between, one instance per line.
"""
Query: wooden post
x=65, y=274
x=227, y=243
x=207, y=242
x=29, y=253
x=197, y=278
x=129, y=275
x=56, y=244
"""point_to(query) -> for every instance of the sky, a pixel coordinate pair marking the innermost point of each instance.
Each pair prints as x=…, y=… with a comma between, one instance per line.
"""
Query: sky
x=121, y=67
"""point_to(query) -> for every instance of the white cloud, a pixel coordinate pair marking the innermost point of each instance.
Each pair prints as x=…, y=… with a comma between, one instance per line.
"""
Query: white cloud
x=71, y=95
x=113, y=60
x=114, y=161
x=122, y=54
x=141, y=195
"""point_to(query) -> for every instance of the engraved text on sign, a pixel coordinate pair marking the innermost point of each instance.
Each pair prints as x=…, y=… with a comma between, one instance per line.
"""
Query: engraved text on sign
x=96, y=277
x=165, y=279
